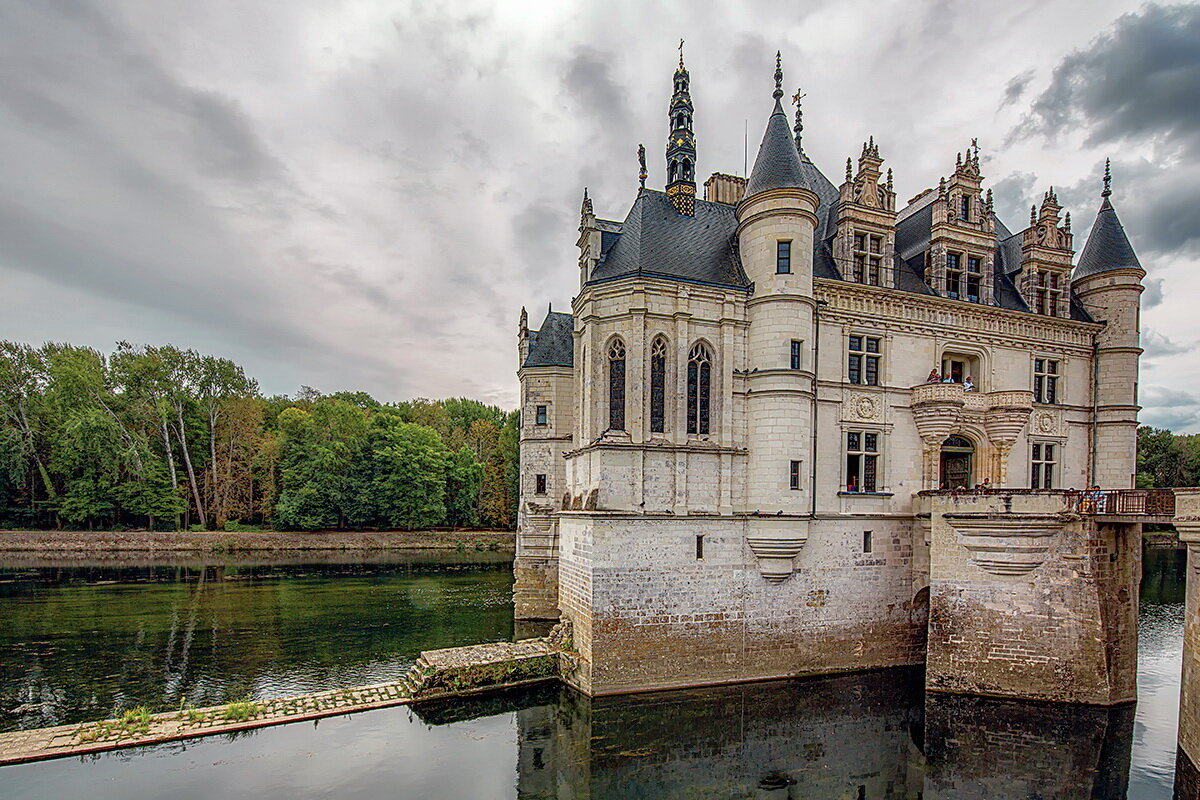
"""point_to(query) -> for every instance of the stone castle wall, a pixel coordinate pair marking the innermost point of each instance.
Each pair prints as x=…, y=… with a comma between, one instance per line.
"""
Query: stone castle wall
x=647, y=613
x=1188, y=524
x=1028, y=602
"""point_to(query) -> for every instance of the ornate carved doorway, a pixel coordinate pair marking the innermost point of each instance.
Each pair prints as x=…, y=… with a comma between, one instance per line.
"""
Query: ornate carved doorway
x=957, y=455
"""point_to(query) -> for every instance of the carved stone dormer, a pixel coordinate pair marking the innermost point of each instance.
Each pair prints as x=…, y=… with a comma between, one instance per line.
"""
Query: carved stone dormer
x=1046, y=253
x=963, y=235
x=866, y=222
x=589, y=240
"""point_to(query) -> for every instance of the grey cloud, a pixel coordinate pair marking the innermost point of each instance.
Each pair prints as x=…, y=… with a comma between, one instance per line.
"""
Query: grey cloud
x=1179, y=420
x=1140, y=79
x=588, y=79
x=1017, y=86
x=1156, y=345
x=1165, y=396
x=1013, y=194
x=1153, y=296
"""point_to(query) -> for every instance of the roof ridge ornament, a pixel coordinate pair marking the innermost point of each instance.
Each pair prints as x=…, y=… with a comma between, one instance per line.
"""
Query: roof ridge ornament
x=778, y=93
x=642, y=162
x=1107, y=178
x=798, y=128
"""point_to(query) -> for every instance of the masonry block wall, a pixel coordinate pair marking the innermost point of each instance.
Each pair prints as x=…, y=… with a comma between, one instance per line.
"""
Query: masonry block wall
x=1187, y=522
x=1026, y=602
x=661, y=602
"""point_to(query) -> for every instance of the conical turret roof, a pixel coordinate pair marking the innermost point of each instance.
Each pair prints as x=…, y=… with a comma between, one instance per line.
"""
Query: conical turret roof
x=1107, y=246
x=778, y=164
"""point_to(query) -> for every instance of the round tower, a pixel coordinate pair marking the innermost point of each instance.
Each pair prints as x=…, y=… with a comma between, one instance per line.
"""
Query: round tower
x=1108, y=282
x=777, y=220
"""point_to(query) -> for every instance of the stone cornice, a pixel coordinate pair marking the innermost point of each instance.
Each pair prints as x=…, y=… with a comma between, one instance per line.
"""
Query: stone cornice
x=926, y=314
x=659, y=447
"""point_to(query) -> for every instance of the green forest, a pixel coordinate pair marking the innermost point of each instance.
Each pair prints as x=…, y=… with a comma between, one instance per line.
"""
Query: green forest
x=1167, y=460
x=168, y=439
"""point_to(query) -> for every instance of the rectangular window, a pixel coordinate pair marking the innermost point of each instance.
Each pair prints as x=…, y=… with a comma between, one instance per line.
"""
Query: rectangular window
x=867, y=260
x=863, y=360
x=1047, y=294
x=699, y=545
x=1043, y=467
x=539, y=484
x=862, y=461
x=783, y=258
x=954, y=275
x=540, y=413
x=1045, y=381
x=795, y=355
x=867, y=541
x=964, y=210
x=794, y=476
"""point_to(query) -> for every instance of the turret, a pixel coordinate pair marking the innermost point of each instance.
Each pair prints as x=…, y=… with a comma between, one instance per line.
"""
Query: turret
x=1108, y=283
x=681, y=145
x=776, y=223
x=589, y=241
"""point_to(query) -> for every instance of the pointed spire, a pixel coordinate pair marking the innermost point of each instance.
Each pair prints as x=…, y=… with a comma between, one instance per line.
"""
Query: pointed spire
x=988, y=201
x=681, y=144
x=1067, y=223
x=889, y=180
x=1107, y=246
x=585, y=209
x=1032, y=215
x=642, y=165
x=778, y=163
x=941, y=187
x=523, y=323
x=849, y=172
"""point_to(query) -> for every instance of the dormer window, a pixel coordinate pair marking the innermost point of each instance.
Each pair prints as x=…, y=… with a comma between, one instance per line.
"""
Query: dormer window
x=954, y=276
x=1047, y=293
x=868, y=249
x=974, y=278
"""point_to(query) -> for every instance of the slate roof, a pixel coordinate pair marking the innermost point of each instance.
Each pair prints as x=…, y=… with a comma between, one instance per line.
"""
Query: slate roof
x=777, y=164
x=656, y=240
x=1107, y=246
x=553, y=345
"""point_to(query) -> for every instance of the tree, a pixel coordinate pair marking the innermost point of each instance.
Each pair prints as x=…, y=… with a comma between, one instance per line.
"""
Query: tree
x=464, y=477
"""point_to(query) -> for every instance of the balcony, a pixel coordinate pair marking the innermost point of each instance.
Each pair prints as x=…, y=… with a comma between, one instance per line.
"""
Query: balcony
x=1125, y=505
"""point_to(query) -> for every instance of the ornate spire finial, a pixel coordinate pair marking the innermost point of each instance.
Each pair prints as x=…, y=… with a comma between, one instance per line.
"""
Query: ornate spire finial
x=1067, y=224
x=798, y=128
x=778, y=93
x=988, y=201
x=941, y=187
x=642, y=165
x=889, y=179
x=1032, y=215
x=1107, y=178
x=523, y=323
x=585, y=210
x=849, y=174
x=958, y=160
x=681, y=53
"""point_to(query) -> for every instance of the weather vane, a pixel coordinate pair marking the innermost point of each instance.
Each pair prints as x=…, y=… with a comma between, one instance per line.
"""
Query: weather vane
x=642, y=164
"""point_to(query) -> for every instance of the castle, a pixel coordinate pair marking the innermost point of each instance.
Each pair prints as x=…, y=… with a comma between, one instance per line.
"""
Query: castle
x=789, y=428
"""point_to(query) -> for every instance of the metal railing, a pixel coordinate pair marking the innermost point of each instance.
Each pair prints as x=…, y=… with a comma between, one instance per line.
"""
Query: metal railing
x=1125, y=502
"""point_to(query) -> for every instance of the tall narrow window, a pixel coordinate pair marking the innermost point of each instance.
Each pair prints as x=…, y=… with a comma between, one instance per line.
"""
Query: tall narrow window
x=1047, y=293
x=616, y=386
x=867, y=543
x=794, y=476
x=795, y=355
x=954, y=276
x=540, y=415
x=863, y=360
x=964, y=208
x=783, y=257
x=1045, y=380
x=1043, y=466
x=974, y=278
x=539, y=484
x=868, y=259
x=699, y=396
x=862, y=461
x=658, y=386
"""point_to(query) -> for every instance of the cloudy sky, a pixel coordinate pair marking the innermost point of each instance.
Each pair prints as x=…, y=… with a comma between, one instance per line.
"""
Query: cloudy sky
x=362, y=195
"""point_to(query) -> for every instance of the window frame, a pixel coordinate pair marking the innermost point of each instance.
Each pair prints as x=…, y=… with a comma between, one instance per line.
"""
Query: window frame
x=783, y=256
x=617, y=355
x=699, y=389
x=863, y=363
x=795, y=356
x=1043, y=464
x=541, y=415
x=540, y=483
x=659, y=352
x=862, y=448
x=794, y=468
x=1047, y=380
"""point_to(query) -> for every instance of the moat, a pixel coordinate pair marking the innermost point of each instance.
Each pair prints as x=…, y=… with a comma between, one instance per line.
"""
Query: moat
x=83, y=642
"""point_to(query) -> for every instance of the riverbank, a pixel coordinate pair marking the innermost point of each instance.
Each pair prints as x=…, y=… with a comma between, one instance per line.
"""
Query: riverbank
x=99, y=546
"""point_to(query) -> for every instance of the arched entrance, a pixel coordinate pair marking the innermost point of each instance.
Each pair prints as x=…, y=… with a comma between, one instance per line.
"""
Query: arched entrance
x=957, y=455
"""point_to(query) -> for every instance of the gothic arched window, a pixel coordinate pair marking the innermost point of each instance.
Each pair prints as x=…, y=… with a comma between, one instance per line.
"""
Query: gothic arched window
x=616, y=385
x=658, y=385
x=699, y=392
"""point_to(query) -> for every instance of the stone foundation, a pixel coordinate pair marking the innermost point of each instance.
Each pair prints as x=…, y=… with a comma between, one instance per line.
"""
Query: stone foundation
x=650, y=610
x=535, y=588
x=1187, y=522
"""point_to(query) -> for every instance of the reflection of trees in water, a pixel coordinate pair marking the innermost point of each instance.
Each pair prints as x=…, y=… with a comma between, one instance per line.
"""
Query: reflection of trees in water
x=206, y=636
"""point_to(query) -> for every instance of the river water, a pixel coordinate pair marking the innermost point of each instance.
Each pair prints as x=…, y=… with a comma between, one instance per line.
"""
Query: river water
x=79, y=643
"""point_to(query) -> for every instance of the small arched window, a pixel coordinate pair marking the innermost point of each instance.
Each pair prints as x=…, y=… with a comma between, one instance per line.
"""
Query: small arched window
x=658, y=385
x=687, y=170
x=699, y=393
x=616, y=386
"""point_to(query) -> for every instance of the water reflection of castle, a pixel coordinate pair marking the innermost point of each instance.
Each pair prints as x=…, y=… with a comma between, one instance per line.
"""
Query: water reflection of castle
x=870, y=735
